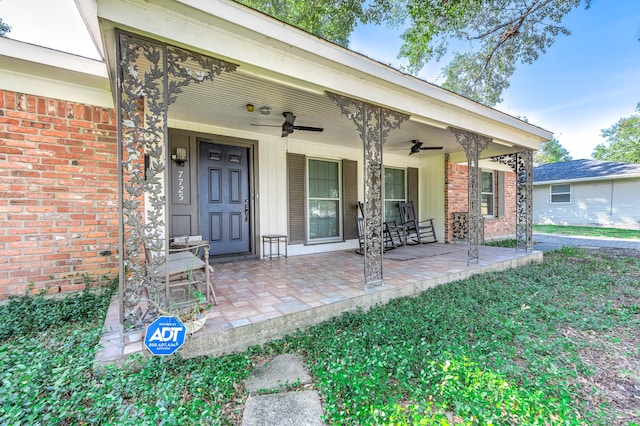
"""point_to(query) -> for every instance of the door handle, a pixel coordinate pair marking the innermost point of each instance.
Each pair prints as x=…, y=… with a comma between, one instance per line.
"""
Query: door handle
x=246, y=210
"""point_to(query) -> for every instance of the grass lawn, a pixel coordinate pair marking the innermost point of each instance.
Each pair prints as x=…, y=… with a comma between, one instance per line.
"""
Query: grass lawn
x=550, y=344
x=592, y=231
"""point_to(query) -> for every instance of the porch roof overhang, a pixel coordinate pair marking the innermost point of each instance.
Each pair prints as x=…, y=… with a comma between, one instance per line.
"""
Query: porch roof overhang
x=37, y=70
x=587, y=179
x=287, y=69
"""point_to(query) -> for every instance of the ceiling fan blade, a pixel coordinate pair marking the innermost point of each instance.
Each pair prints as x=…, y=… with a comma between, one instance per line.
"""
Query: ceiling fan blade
x=416, y=149
x=266, y=125
x=309, y=129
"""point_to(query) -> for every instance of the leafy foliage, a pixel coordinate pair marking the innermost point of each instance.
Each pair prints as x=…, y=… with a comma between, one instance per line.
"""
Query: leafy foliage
x=623, y=141
x=4, y=28
x=490, y=349
x=491, y=37
x=48, y=374
x=23, y=316
x=331, y=20
x=551, y=152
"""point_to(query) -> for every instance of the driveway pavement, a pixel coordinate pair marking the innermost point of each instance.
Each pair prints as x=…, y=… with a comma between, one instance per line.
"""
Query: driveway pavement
x=547, y=242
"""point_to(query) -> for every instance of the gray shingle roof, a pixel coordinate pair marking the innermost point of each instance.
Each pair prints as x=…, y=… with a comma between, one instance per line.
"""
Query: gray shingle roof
x=584, y=169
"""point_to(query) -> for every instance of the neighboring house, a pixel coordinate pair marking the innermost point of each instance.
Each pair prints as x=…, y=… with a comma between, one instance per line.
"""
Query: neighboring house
x=201, y=88
x=587, y=192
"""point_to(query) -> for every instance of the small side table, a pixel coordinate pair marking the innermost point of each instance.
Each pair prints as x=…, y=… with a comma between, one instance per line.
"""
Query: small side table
x=271, y=240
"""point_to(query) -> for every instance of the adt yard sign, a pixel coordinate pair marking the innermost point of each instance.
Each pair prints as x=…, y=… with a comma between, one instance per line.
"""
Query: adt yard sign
x=165, y=335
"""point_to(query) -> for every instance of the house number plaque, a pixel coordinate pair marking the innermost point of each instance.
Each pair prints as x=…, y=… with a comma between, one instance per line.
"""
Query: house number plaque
x=181, y=192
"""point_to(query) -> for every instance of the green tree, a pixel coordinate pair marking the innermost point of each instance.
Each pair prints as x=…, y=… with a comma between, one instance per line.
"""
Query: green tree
x=551, y=152
x=329, y=19
x=623, y=141
x=4, y=28
x=490, y=36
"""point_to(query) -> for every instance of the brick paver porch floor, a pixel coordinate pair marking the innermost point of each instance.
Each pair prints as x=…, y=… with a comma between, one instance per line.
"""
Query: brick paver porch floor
x=259, y=300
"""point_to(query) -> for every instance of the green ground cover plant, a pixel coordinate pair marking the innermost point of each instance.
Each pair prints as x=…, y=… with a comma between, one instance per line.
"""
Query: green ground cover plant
x=498, y=348
x=592, y=231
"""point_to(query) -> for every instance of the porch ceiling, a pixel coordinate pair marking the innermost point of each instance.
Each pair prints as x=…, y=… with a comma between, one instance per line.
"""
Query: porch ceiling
x=223, y=104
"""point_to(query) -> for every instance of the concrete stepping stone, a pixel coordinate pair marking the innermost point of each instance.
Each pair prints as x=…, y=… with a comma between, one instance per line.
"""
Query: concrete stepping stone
x=284, y=409
x=276, y=407
x=276, y=374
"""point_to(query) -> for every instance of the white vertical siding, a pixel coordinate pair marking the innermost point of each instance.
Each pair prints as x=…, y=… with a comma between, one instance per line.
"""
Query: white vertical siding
x=431, y=184
x=271, y=185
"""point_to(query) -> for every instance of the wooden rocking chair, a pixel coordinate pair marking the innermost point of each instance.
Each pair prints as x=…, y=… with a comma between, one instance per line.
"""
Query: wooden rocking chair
x=421, y=232
x=393, y=237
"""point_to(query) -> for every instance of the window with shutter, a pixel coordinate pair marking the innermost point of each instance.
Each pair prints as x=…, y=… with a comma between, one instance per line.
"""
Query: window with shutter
x=325, y=187
x=324, y=200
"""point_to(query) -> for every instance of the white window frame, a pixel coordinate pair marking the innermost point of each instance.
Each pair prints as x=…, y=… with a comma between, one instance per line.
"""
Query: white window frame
x=339, y=213
x=384, y=192
x=551, y=193
x=492, y=212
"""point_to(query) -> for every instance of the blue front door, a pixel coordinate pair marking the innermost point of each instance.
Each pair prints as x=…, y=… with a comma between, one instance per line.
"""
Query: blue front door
x=225, y=214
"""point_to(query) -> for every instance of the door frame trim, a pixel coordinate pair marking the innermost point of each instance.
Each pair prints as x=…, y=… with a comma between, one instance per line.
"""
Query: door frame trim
x=254, y=213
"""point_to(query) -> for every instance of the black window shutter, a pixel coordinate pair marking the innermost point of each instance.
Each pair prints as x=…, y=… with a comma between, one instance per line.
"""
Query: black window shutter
x=500, y=194
x=349, y=198
x=412, y=187
x=297, y=211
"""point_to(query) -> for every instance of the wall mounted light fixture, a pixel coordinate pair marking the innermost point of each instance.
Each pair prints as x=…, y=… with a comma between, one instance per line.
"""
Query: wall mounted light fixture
x=180, y=156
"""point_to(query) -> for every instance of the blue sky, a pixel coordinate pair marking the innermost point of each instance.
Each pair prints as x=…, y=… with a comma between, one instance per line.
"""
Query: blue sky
x=584, y=83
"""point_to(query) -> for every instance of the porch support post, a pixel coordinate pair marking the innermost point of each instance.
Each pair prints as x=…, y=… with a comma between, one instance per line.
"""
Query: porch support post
x=522, y=165
x=373, y=124
x=473, y=145
x=149, y=75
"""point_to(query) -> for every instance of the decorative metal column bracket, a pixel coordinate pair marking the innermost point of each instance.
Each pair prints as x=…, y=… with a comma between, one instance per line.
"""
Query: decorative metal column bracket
x=522, y=165
x=373, y=123
x=473, y=145
x=149, y=76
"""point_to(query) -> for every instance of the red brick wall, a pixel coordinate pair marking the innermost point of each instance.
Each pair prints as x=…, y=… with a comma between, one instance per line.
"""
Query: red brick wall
x=456, y=200
x=58, y=203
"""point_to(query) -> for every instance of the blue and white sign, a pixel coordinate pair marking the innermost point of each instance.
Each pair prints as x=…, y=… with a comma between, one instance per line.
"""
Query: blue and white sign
x=165, y=335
